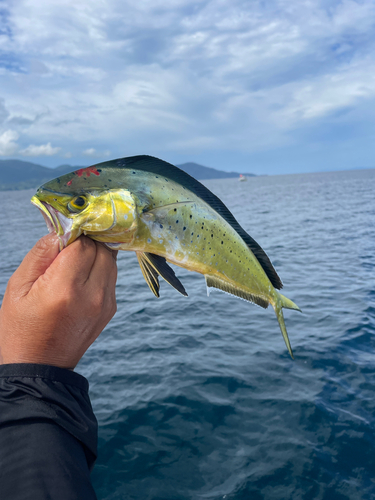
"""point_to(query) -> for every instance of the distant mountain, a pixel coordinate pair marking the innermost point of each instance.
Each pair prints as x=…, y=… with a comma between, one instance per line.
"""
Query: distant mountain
x=18, y=174
x=200, y=172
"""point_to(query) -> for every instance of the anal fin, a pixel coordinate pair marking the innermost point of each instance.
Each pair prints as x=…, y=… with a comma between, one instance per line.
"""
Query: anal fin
x=213, y=281
x=152, y=266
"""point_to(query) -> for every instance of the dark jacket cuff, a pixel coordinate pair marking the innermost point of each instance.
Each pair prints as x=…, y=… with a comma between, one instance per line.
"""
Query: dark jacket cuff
x=34, y=392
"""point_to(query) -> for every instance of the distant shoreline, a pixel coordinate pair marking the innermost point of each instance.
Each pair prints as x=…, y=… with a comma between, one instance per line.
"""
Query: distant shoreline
x=17, y=175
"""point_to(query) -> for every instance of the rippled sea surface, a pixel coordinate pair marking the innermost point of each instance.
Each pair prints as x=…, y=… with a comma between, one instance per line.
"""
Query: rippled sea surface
x=197, y=398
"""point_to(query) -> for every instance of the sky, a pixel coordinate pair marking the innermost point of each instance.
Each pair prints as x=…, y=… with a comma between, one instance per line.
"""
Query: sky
x=268, y=87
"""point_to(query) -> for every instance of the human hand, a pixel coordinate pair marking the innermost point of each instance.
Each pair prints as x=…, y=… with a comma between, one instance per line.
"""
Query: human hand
x=57, y=304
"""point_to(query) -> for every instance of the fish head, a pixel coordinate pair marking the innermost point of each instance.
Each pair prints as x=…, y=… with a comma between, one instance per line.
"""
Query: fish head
x=71, y=209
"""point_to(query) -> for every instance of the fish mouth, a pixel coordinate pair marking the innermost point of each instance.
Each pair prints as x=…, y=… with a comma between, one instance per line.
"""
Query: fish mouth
x=56, y=221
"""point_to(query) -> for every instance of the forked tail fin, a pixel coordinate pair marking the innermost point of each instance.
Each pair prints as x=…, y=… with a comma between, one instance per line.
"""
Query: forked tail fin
x=281, y=302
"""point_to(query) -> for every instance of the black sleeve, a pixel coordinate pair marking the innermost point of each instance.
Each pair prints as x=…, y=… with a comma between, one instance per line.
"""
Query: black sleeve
x=48, y=434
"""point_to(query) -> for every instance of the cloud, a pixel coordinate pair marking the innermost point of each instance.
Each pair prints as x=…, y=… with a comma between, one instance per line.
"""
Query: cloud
x=43, y=150
x=3, y=111
x=93, y=153
x=8, y=145
x=89, y=152
x=321, y=97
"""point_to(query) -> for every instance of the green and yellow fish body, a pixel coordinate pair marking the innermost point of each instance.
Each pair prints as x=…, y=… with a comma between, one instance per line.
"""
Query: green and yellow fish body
x=148, y=206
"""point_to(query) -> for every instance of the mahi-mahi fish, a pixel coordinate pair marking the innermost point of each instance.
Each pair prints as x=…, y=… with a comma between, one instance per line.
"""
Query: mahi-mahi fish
x=161, y=213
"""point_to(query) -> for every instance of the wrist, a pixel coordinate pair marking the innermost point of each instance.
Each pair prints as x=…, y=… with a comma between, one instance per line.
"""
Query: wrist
x=24, y=357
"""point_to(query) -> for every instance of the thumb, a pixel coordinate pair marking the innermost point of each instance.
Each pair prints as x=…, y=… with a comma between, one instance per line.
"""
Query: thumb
x=36, y=262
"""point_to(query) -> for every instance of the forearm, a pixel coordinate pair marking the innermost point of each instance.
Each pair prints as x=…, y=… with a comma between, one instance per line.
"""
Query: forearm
x=48, y=433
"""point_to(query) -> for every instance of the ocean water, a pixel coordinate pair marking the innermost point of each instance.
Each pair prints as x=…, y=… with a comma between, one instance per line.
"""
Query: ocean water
x=197, y=398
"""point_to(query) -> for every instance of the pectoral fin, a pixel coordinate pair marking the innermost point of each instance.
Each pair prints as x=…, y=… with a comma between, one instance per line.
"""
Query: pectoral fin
x=149, y=273
x=152, y=266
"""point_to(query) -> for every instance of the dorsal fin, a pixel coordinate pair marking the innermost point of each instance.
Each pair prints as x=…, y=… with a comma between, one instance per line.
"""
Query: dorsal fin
x=162, y=168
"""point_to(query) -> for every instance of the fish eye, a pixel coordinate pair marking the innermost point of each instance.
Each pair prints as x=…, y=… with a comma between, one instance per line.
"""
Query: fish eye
x=77, y=204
